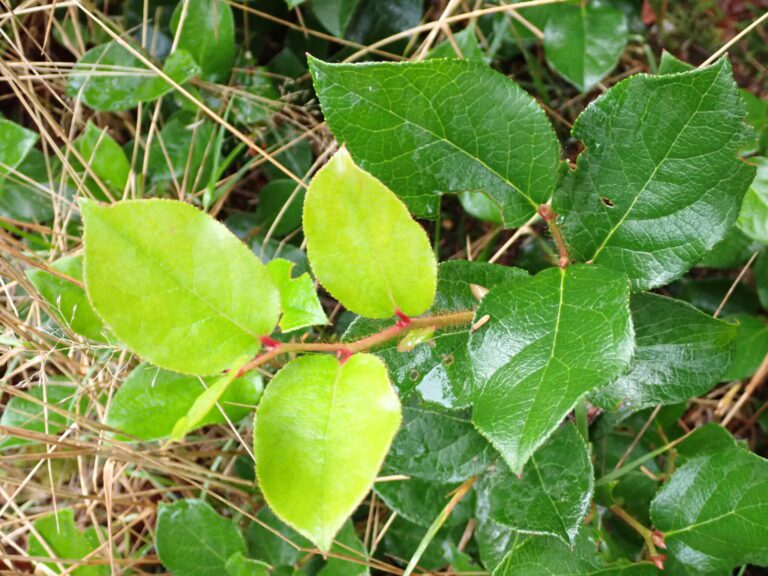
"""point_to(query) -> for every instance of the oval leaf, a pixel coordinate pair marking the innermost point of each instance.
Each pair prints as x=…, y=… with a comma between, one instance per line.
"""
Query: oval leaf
x=208, y=34
x=549, y=340
x=442, y=127
x=322, y=430
x=584, y=43
x=660, y=181
x=364, y=247
x=175, y=285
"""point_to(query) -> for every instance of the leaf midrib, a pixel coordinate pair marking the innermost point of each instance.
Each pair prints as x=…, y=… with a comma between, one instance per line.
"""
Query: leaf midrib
x=466, y=153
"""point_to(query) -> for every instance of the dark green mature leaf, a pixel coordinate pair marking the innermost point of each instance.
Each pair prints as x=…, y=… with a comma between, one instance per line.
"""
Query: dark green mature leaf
x=659, y=183
x=670, y=64
x=750, y=346
x=193, y=540
x=374, y=20
x=550, y=340
x=347, y=547
x=65, y=541
x=109, y=78
x=15, y=143
x=439, y=369
x=319, y=416
x=404, y=537
x=208, y=34
x=421, y=501
x=437, y=446
x=69, y=301
x=29, y=199
x=335, y=15
x=239, y=565
x=680, y=353
x=151, y=400
x=479, y=132
x=753, y=218
x=731, y=252
x=548, y=556
x=466, y=43
x=284, y=198
x=494, y=540
x=106, y=159
x=761, y=278
x=583, y=43
x=175, y=285
x=554, y=492
x=713, y=511
x=298, y=297
x=364, y=247
x=183, y=152
x=264, y=544
x=34, y=416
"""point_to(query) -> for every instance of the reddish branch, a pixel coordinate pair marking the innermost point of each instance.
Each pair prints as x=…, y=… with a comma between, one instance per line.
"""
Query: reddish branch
x=549, y=216
x=344, y=350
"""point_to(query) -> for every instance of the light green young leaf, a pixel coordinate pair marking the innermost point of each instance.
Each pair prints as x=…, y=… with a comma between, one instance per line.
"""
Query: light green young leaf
x=109, y=78
x=152, y=400
x=105, y=157
x=364, y=247
x=203, y=405
x=316, y=418
x=67, y=300
x=33, y=416
x=298, y=297
x=208, y=34
x=548, y=556
x=753, y=218
x=175, y=285
x=750, y=346
x=439, y=369
x=65, y=541
x=554, y=492
x=239, y=565
x=193, y=540
x=713, y=512
x=479, y=132
x=659, y=183
x=549, y=340
x=15, y=143
x=583, y=43
x=680, y=353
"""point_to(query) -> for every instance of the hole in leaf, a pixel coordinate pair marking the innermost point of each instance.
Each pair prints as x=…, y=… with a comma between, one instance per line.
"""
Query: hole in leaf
x=606, y=201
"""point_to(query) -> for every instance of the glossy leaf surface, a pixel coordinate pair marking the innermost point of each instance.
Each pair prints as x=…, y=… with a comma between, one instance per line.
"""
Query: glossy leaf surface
x=550, y=340
x=680, y=353
x=660, y=181
x=713, y=511
x=364, y=247
x=208, y=34
x=479, y=131
x=583, y=43
x=316, y=418
x=554, y=492
x=753, y=218
x=175, y=285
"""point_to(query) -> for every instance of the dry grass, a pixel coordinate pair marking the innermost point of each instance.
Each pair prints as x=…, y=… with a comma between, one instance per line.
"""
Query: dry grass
x=116, y=486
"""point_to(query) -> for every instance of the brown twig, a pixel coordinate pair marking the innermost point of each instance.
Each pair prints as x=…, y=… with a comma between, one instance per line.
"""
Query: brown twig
x=549, y=216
